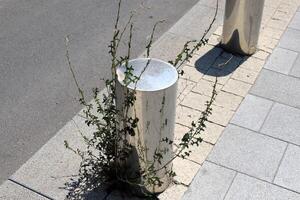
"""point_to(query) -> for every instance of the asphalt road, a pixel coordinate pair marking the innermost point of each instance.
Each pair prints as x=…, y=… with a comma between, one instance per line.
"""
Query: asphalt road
x=37, y=94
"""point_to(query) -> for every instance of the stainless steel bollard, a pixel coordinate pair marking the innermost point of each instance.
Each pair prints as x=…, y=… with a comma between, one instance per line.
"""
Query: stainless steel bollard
x=241, y=25
x=155, y=107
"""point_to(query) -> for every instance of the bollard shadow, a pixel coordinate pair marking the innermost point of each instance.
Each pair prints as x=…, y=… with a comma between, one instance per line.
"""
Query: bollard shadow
x=217, y=62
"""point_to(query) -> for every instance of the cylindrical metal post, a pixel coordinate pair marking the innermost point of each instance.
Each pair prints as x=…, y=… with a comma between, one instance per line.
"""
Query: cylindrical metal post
x=241, y=25
x=155, y=107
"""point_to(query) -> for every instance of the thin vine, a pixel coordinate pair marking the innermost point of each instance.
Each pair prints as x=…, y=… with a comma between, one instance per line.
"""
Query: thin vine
x=105, y=159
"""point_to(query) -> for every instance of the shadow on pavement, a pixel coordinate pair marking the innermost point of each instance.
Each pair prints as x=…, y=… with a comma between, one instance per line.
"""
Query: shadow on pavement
x=218, y=62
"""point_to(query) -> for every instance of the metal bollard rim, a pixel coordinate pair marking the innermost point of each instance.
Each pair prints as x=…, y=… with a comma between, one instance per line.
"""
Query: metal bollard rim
x=172, y=72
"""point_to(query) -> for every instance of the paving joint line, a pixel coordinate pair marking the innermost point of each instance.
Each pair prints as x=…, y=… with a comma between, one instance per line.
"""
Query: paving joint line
x=283, y=73
x=260, y=96
x=32, y=190
x=280, y=162
x=266, y=117
x=298, y=145
x=251, y=176
x=230, y=185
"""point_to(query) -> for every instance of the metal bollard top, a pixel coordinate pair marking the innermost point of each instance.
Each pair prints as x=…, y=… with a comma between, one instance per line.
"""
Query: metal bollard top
x=154, y=76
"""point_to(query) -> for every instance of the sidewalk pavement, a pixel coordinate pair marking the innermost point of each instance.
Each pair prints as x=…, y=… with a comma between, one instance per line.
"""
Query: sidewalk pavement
x=258, y=155
x=251, y=147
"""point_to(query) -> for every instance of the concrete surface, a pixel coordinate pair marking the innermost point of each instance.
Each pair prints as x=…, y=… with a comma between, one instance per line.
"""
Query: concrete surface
x=37, y=93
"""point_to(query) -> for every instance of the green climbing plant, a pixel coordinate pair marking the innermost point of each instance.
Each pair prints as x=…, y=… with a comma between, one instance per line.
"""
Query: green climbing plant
x=104, y=161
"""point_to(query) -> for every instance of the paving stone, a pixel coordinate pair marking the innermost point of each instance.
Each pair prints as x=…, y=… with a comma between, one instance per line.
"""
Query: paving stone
x=261, y=55
x=200, y=153
x=252, y=112
x=227, y=100
x=12, y=191
x=212, y=132
x=288, y=7
x=221, y=74
x=175, y=192
x=227, y=63
x=271, y=32
x=191, y=73
x=277, y=23
x=219, y=31
x=267, y=43
x=278, y=87
x=184, y=87
x=214, y=40
x=288, y=174
x=295, y=23
x=281, y=60
x=283, y=122
x=220, y=115
x=195, y=101
x=272, y=3
x=237, y=87
x=51, y=167
x=194, y=29
x=248, y=188
x=211, y=182
x=185, y=170
x=253, y=64
x=244, y=75
x=185, y=116
x=179, y=132
x=295, y=71
x=204, y=58
x=206, y=87
x=248, y=152
x=234, y=57
x=290, y=40
x=207, y=48
x=280, y=14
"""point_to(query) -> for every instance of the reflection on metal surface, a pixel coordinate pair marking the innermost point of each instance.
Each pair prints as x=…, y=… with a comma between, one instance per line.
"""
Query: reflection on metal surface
x=241, y=25
x=155, y=108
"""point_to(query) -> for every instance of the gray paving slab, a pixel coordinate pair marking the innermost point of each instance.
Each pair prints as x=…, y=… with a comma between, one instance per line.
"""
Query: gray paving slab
x=295, y=23
x=248, y=152
x=281, y=60
x=295, y=71
x=248, y=188
x=196, y=21
x=245, y=116
x=278, y=87
x=53, y=165
x=283, y=122
x=12, y=191
x=211, y=182
x=289, y=171
x=290, y=40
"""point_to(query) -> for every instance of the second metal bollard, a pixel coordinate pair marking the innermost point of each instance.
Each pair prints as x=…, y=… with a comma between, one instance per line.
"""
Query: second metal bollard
x=241, y=26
